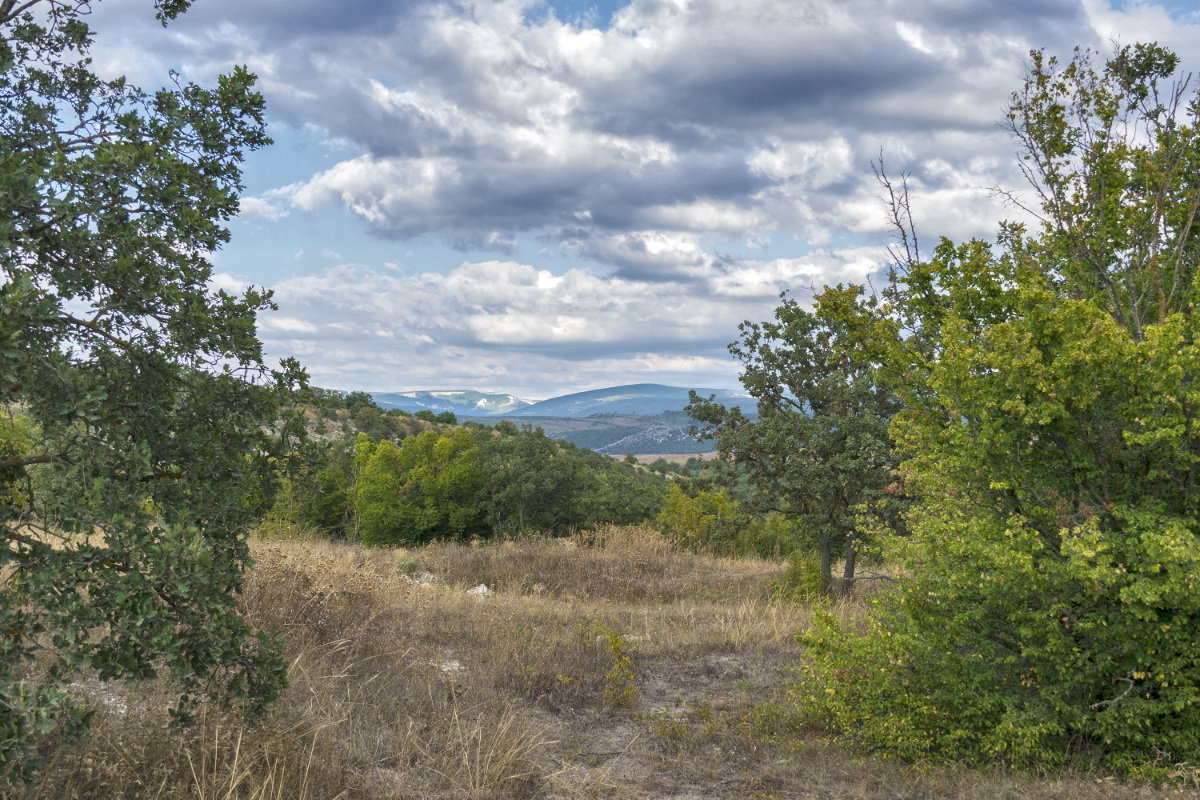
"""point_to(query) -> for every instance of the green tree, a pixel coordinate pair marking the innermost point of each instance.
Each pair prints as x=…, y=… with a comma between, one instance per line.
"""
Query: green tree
x=614, y=492
x=359, y=399
x=315, y=492
x=533, y=482
x=819, y=447
x=376, y=491
x=431, y=486
x=145, y=391
x=1050, y=440
x=698, y=521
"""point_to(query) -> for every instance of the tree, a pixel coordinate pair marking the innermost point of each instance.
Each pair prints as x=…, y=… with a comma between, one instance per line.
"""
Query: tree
x=359, y=399
x=704, y=520
x=819, y=448
x=533, y=482
x=613, y=492
x=431, y=486
x=1111, y=155
x=145, y=409
x=1050, y=439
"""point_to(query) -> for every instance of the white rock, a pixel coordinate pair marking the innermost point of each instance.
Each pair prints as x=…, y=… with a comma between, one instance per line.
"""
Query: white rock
x=480, y=590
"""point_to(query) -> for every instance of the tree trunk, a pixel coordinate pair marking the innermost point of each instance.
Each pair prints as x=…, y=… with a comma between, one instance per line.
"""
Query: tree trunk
x=848, y=571
x=826, y=563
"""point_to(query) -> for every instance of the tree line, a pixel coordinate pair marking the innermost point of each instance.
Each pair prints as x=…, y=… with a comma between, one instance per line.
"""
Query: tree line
x=391, y=478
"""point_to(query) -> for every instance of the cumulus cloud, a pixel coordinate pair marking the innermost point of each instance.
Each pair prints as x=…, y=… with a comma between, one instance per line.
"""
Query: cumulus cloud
x=477, y=121
x=261, y=208
x=514, y=322
x=224, y=282
x=656, y=151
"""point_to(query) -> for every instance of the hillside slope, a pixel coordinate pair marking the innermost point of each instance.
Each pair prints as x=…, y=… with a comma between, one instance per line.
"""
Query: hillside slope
x=617, y=434
x=459, y=401
x=637, y=398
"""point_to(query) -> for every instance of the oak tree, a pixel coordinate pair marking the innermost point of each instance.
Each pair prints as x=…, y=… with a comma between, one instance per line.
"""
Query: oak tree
x=140, y=408
x=819, y=446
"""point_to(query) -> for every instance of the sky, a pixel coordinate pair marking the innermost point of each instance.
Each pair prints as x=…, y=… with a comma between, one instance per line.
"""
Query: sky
x=541, y=197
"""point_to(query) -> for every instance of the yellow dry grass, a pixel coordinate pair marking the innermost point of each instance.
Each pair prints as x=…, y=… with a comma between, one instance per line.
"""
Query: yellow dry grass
x=406, y=685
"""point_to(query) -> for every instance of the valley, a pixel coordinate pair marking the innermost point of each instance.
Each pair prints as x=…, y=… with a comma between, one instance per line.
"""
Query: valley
x=643, y=418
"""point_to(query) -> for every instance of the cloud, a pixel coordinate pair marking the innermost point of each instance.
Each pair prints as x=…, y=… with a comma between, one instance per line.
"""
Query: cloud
x=679, y=166
x=261, y=208
x=649, y=255
x=476, y=122
x=224, y=282
x=504, y=318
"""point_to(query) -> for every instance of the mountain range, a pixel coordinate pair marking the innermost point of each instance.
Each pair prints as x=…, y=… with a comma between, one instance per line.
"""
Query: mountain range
x=460, y=401
x=644, y=418
x=636, y=398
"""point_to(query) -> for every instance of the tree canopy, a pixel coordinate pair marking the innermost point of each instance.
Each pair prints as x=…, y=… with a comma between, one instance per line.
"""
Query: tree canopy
x=819, y=448
x=139, y=410
x=1050, y=440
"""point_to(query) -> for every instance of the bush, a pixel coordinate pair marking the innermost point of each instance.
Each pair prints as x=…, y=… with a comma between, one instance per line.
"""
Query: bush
x=802, y=580
x=430, y=486
x=698, y=522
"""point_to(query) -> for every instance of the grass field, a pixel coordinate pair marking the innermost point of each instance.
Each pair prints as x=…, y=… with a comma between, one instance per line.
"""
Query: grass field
x=607, y=666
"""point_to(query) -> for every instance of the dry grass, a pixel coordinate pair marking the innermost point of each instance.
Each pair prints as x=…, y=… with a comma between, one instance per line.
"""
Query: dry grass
x=404, y=685
x=624, y=564
x=674, y=458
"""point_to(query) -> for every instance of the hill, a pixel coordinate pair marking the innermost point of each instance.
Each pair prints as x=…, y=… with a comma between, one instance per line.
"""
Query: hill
x=647, y=399
x=617, y=434
x=465, y=402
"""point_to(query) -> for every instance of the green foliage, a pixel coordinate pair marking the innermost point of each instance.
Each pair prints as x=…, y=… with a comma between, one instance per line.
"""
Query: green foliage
x=534, y=483
x=620, y=683
x=17, y=437
x=359, y=400
x=709, y=520
x=1049, y=433
x=615, y=492
x=149, y=416
x=497, y=482
x=819, y=447
x=430, y=486
x=699, y=521
x=314, y=495
x=802, y=581
x=1112, y=154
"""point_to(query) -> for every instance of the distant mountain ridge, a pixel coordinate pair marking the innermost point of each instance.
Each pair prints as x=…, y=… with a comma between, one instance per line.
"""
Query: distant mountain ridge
x=648, y=399
x=644, y=399
x=642, y=418
x=460, y=401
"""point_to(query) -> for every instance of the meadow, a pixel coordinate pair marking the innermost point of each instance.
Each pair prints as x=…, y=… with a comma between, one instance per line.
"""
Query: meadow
x=606, y=665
